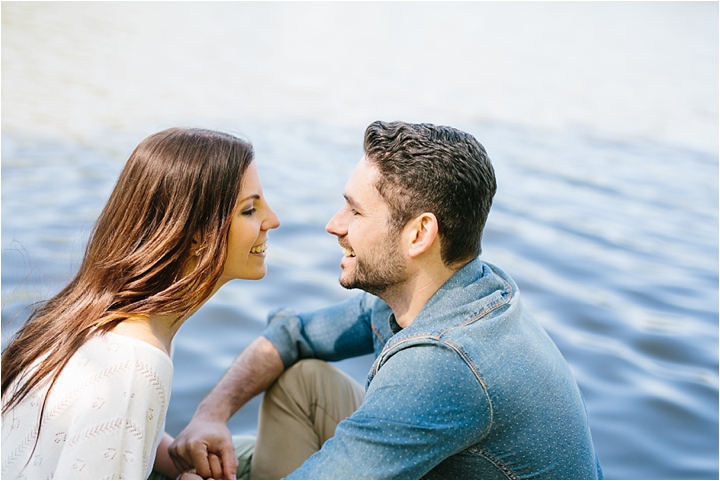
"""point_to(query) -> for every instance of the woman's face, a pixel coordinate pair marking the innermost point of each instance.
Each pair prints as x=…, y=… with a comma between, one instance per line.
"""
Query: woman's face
x=247, y=240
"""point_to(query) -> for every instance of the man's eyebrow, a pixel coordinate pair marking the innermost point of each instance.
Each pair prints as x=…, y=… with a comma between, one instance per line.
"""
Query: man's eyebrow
x=350, y=201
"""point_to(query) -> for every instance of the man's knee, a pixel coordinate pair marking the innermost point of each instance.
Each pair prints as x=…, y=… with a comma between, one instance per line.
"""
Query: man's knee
x=303, y=374
x=307, y=367
x=313, y=381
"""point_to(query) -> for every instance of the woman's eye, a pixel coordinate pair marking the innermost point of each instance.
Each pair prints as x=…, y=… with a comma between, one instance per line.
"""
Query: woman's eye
x=249, y=211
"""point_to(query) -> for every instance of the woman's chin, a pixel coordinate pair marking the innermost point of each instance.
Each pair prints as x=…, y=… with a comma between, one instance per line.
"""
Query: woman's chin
x=255, y=276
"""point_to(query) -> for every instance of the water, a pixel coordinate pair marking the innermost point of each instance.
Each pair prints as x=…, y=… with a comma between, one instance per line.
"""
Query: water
x=601, y=120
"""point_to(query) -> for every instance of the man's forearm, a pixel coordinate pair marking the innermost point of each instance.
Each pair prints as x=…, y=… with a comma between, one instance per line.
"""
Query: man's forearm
x=253, y=372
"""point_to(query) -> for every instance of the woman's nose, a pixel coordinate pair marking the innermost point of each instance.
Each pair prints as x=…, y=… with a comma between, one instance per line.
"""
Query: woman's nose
x=272, y=221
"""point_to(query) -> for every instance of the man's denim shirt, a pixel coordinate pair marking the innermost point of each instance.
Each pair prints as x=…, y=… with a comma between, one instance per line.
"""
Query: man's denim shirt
x=474, y=388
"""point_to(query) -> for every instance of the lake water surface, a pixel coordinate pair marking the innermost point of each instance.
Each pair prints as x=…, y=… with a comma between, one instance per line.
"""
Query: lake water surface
x=601, y=120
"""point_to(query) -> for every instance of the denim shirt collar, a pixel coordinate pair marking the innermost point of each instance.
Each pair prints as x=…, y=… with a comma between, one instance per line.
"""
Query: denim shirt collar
x=471, y=290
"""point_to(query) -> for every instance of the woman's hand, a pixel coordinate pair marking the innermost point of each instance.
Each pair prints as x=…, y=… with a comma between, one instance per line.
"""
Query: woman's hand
x=189, y=475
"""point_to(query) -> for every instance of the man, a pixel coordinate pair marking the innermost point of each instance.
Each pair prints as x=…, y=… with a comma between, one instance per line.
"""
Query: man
x=464, y=385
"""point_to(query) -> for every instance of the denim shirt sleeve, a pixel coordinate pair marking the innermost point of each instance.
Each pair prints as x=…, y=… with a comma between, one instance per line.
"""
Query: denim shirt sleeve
x=424, y=405
x=331, y=334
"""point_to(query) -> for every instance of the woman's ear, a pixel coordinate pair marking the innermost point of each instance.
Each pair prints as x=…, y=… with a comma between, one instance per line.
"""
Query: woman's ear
x=422, y=231
x=196, y=245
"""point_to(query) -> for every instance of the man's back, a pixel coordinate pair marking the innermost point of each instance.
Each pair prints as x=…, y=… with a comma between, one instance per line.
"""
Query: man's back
x=529, y=417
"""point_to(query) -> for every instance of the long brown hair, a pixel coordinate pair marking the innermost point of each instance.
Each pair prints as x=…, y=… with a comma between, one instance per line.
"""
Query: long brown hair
x=178, y=186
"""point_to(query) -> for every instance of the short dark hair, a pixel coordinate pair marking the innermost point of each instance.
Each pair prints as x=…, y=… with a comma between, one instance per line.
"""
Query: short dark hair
x=437, y=169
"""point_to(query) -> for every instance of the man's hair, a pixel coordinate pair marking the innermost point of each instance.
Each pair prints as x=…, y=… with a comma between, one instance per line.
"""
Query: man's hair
x=436, y=169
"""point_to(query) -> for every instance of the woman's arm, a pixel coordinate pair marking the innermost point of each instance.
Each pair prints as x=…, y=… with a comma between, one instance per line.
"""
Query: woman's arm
x=163, y=463
x=207, y=440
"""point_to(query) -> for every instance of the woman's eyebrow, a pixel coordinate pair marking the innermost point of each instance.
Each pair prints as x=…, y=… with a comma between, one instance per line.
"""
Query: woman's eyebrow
x=254, y=196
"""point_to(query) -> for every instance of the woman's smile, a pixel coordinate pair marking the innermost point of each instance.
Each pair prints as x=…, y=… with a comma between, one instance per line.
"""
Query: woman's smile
x=259, y=249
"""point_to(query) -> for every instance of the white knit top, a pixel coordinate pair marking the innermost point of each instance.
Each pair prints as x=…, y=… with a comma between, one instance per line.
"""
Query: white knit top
x=104, y=417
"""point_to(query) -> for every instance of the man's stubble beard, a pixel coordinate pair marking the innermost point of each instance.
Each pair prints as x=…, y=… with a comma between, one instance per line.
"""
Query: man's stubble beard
x=377, y=274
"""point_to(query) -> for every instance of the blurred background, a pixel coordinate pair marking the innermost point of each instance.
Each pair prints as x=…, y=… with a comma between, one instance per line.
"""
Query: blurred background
x=601, y=119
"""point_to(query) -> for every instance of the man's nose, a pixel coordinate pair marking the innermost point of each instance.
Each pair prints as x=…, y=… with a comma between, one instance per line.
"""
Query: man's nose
x=335, y=225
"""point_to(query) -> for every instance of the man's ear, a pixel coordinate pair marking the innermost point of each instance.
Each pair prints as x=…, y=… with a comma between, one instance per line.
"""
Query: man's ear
x=421, y=232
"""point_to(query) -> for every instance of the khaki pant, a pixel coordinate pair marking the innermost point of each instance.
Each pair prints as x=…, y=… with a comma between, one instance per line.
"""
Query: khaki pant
x=298, y=414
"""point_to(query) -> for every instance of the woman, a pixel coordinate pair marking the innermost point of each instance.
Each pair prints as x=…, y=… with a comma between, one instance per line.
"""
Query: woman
x=86, y=381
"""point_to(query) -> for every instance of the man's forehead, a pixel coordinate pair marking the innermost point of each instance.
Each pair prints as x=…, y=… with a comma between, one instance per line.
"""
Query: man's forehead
x=365, y=169
x=361, y=187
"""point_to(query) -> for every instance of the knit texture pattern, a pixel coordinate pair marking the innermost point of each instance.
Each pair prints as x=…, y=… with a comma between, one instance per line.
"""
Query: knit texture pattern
x=103, y=419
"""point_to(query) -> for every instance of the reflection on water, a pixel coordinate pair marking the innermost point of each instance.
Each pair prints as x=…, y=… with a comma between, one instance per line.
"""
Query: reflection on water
x=612, y=239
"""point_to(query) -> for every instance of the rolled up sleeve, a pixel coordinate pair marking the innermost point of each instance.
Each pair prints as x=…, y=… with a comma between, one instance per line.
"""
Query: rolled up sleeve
x=334, y=333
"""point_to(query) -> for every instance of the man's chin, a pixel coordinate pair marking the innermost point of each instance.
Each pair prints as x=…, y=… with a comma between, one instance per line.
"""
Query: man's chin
x=347, y=283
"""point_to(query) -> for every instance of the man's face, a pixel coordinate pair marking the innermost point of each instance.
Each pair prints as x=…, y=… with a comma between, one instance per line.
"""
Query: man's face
x=373, y=261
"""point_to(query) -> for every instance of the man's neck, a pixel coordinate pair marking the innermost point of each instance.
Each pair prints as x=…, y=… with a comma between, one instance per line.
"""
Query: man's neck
x=407, y=299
